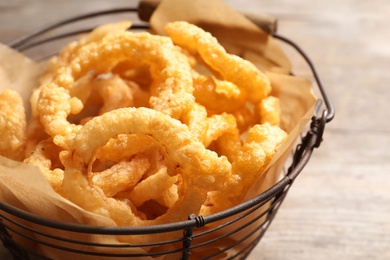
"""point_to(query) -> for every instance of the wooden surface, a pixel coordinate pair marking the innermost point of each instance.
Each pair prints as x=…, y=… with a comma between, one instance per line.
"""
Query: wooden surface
x=339, y=207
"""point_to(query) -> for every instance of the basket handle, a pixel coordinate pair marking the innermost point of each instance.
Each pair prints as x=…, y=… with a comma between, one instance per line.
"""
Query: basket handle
x=266, y=22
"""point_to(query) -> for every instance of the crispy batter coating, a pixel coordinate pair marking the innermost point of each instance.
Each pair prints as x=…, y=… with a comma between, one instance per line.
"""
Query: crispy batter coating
x=176, y=138
x=12, y=125
x=46, y=157
x=217, y=96
x=68, y=53
x=259, y=148
x=269, y=110
x=152, y=187
x=241, y=72
x=120, y=177
x=115, y=93
x=199, y=170
x=169, y=67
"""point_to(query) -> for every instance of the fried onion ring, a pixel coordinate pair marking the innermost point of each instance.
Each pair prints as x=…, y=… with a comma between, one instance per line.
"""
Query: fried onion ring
x=217, y=96
x=152, y=187
x=45, y=156
x=233, y=68
x=269, y=110
x=170, y=67
x=121, y=176
x=261, y=145
x=13, y=125
x=68, y=53
x=200, y=170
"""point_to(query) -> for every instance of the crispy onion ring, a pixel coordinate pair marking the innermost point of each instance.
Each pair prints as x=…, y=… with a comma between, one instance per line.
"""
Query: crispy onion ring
x=200, y=170
x=12, y=125
x=217, y=96
x=169, y=66
x=45, y=156
x=241, y=72
x=269, y=111
x=250, y=162
x=223, y=135
x=68, y=53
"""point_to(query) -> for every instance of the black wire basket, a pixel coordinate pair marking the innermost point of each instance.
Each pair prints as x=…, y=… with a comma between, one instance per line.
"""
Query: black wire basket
x=230, y=234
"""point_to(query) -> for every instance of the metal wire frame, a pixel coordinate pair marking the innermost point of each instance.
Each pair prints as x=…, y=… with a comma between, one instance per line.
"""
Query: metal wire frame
x=27, y=41
x=246, y=222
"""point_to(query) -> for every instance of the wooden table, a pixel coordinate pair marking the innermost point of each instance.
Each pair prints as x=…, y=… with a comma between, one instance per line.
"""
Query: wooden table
x=339, y=207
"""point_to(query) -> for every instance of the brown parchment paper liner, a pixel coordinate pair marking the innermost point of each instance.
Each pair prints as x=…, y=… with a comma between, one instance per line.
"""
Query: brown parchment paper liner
x=23, y=186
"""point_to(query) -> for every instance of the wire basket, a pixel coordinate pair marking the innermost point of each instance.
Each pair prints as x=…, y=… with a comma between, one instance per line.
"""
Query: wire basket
x=232, y=233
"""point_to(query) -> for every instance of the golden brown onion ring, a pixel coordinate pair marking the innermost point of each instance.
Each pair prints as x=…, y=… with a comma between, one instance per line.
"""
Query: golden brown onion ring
x=13, y=125
x=169, y=67
x=200, y=170
x=241, y=72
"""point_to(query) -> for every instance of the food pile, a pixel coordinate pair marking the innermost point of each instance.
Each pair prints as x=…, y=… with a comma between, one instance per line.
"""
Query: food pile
x=146, y=129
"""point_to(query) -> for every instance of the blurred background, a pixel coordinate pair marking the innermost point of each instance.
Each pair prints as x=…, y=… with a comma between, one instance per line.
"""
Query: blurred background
x=339, y=207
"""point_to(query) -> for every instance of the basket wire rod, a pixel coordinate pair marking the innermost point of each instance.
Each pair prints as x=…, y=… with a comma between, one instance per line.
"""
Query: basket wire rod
x=303, y=153
x=187, y=239
x=311, y=140
x=14, y=248
x=243, y=239
x=328, y=103
x=318, y=127
x=20, y=252
x=101, y=230
x=62, y=239
x=318, y=123
x=267, y=212
x=264, y=226
x=249, y=247
x=264, y=196
x=147, y=229
x=3, y=231
x=231, y=222
x=29, y=45
x=85, y=252
x=21, y=40
x=8, y=243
